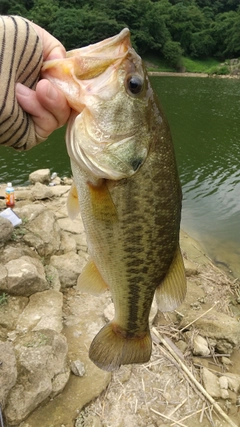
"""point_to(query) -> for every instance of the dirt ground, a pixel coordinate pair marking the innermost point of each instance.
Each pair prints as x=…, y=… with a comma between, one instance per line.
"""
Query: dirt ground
x=168, y=391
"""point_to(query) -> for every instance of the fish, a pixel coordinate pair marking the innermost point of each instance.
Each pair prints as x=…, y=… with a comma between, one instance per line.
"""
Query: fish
x=127, y=187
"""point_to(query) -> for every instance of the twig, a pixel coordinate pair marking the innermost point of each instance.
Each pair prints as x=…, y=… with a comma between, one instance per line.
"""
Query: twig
x=1, y=418
x=188, y=416
x=199, y=317
x=168, y=418
x=194, y=380
x=177, y=407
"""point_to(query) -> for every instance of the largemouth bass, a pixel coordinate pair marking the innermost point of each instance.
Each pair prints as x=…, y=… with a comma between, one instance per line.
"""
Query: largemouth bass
x=126, y=178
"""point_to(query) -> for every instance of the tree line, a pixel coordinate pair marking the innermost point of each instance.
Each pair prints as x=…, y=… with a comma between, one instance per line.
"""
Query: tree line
x=168, y=28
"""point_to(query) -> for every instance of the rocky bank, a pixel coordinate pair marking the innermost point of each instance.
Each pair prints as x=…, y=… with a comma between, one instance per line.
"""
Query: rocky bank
x=46, y=326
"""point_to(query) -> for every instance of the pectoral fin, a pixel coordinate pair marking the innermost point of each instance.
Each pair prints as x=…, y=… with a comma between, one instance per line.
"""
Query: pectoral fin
x=103, y=207
x=171, y=292
x=90, y=280
x=72, y=202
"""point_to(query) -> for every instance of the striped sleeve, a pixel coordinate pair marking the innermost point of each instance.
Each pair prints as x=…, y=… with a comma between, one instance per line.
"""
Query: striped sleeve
x=20, y=61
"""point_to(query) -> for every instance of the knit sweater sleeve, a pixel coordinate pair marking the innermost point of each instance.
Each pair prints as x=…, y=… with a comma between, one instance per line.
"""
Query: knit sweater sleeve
x=20, y=61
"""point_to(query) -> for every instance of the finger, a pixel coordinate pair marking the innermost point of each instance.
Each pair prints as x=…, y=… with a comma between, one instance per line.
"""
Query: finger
x=53, y=100
x=47, y=113
x=52, y=48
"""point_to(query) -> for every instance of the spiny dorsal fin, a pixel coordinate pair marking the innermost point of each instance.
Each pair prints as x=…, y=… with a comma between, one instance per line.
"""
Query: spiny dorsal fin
x=90, y=280
x=72, y=202
x=171, y=292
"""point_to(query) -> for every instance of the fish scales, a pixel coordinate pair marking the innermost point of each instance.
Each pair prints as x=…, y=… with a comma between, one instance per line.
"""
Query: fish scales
x=125, y=172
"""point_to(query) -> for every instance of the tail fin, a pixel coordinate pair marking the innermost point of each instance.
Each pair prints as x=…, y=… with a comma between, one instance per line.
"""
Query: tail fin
x=109, y=350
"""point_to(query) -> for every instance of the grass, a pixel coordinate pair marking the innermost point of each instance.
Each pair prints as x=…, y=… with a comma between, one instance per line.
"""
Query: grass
x=3, y=299
x=199, y=65
x=155, y=63
x=208, y=66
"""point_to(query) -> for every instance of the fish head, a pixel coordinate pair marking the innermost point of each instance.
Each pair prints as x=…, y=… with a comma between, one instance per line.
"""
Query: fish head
x=108, y=90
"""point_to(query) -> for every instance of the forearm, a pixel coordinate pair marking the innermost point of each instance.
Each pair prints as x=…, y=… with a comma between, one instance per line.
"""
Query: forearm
x=20, y=61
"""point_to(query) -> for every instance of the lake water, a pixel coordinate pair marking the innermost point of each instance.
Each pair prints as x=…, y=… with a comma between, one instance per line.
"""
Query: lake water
x=204, y=115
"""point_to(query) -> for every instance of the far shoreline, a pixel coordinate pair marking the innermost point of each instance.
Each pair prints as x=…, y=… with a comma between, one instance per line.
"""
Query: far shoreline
x=186, y=74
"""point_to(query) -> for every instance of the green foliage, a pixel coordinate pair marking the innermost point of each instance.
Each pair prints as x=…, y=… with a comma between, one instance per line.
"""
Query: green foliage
x=199, y=66
x=167, y=28
x=3, y=299
x=172, y=53
x=220, y=70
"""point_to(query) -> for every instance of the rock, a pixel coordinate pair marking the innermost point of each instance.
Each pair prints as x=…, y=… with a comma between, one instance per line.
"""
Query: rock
x=60, y=190
x=52, y=277
x=55, y=181
x=224, y=394
x=3, y=277
x=182, y=345
x=8, y=370
x=41, y=357
x=22, y=193
x=44, y=311
x=11, y=252
x=223, y=382
x=77, y=368
x=59, y=382
x=221, y=328
x=211, y=383
x=29, y=212
x=72, y=226
x=108, y=312
x=43, y=233
x=67, y=181
x=200, y=346
x=226, y=361
x=234, y=382
x=69, y=267
x=6, y=230
x=25, y=276
x=41, y=175
x=190, y=268
x=9, y=314
x=68, y=243
x=88, y=421
x=41, y=192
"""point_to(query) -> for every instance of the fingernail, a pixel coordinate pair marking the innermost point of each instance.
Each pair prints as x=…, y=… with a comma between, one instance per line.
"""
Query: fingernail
x=22, y=90
x=52, y=92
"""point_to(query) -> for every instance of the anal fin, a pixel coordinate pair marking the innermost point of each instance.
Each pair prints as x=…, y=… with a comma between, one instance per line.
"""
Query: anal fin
x=172, y=290
x=90, y=280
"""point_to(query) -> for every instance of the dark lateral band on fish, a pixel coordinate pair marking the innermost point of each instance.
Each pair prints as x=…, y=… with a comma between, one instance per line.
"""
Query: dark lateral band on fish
x=128, y=190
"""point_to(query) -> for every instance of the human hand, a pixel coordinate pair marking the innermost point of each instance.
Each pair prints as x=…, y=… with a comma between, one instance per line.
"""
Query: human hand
x=47, y=105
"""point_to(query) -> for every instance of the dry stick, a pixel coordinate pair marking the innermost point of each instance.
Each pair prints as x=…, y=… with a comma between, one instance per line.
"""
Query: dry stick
x=193, y=379
x=168, y=418
x=177, y=407
x=199, y=317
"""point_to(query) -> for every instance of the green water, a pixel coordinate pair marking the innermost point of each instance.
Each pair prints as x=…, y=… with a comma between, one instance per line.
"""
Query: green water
x=204, y=116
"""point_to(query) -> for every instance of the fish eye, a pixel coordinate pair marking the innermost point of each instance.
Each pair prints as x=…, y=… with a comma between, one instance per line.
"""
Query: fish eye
x=134, y=84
